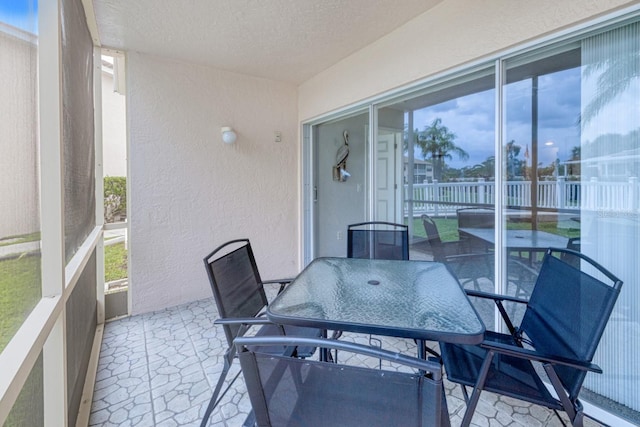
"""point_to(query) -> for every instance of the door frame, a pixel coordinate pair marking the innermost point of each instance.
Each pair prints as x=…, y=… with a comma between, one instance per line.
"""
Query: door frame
x=309, y=177
x=397, y=174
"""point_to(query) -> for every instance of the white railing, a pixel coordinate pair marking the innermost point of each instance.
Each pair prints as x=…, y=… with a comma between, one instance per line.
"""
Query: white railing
x=436, y=198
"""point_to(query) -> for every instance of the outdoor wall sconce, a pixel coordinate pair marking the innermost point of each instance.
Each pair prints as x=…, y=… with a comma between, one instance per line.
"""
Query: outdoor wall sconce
x=228, y=135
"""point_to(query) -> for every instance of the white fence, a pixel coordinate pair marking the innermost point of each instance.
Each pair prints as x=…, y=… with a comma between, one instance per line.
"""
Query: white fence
x=435, y=198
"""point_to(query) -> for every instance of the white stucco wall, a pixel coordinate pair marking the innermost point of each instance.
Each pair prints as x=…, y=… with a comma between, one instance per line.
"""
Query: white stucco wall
x=19, y=171
x=451, y=34
x=190, y=192
x=114, y=129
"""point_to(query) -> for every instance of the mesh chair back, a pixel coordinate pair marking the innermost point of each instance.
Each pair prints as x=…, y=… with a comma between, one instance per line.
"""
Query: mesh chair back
x=236, y=284
x=433, y=236
x=378, y=240
x=568, y=311
x=574, y=244
x=286, y=391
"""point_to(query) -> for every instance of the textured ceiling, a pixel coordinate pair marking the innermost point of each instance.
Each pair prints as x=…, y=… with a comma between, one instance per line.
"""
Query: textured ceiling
x=287, y=40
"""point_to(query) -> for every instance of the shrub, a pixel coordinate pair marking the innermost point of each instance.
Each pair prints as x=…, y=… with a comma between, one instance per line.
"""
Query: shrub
x=115, y=198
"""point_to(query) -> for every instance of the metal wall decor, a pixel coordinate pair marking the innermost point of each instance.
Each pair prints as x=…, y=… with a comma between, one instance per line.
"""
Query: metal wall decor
x=340, y=169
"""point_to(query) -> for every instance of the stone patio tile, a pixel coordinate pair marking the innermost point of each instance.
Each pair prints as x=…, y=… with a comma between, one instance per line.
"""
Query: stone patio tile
x=159, y=369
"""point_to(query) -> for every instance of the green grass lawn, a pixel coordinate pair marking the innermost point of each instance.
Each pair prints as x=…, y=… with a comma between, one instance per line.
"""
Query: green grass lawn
x=20, y=291
x=28, y=409
x=20, y=286
x=115, y=262
x=11, y=240
x=448, y=228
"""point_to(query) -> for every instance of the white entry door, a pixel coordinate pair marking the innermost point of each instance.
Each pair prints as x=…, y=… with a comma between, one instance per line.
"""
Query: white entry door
x=387, y=172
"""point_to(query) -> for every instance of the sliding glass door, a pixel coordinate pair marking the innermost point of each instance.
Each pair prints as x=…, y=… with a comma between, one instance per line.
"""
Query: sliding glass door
x=448, y=170
x=552, y=155
x=570, y=169
x=609, y=204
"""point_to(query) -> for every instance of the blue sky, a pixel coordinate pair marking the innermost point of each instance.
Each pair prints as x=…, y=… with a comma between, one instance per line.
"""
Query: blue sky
x=472, y=118
x=20, y=13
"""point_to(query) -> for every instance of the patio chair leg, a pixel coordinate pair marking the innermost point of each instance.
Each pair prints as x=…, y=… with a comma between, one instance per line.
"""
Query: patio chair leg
x=378, y=343
x=559, y=418
x=475, y=396
x=573, y=412
x=445, y=421
x=214, y=399
x=250, y=421
x=432, y=352
x=464, y=393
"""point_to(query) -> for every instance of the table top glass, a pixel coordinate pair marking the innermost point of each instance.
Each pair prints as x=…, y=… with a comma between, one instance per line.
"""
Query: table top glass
x=411, y=299
x=520, y=239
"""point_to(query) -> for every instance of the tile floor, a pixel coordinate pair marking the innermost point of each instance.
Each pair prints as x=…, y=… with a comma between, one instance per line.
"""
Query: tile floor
x=159, y=369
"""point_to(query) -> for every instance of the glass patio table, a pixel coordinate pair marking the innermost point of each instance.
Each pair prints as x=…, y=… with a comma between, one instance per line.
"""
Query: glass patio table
x=533, y=240
x=410, y=299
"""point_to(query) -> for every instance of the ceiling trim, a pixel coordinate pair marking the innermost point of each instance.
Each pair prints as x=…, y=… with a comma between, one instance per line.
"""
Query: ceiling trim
x=91, y=21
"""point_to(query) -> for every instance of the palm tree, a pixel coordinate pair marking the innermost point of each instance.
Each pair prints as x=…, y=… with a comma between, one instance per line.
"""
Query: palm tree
x=487, y=168
x=513, y=163
x=614, y=76
x=574, y=168
x=436, y=141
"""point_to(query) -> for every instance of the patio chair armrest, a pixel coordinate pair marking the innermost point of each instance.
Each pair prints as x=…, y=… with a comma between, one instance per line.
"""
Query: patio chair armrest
x=433, y=367
x=282, y=282
x=498, y=299
x=495, y=297
x=525, y=353
x=523, y=266
x=464, y=257
x=242, y=321
x=452, y=248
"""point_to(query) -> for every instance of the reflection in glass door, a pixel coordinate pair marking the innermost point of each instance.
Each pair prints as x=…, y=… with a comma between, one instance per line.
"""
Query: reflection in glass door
x=541, y=133
x=563, y=165
x=387, y=178
x=572, y=126
x=447, y=176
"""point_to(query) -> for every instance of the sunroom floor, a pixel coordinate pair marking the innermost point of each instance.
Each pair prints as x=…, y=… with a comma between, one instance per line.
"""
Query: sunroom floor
x=159, y=369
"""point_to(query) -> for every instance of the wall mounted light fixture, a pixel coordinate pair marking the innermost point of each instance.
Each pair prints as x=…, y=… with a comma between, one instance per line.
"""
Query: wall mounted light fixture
x=228, y=135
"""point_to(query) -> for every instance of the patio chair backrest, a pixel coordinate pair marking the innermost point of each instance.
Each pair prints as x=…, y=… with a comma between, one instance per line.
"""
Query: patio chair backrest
x=285, y=391
x=433, y=236
x=568, y=310
x=378, y=240
x=573, y=243
x=235, y=282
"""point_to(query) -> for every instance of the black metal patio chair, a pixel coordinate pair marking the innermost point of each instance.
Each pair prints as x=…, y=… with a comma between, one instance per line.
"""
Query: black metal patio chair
x=440, y=250
x=563, y=322
x=467, y=266
x=241, y=299
x=473, y=217
x=285, y=391
x=378, y=240
x=574, y=244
